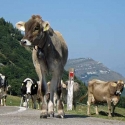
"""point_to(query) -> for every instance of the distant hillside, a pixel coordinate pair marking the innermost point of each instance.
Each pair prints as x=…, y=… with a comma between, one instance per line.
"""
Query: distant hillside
x=87, y=69
x=15, y=60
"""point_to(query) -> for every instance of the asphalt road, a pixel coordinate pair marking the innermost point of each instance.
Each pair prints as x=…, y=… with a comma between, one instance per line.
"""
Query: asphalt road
x=21, y=116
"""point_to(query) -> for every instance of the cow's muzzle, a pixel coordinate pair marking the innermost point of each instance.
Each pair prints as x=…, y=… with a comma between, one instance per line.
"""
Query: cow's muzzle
x=28, y=93
x=25, y=42
x=118, y=93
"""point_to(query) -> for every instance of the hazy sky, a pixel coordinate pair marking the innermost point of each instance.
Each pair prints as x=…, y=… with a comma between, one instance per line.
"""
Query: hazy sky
x=91, y=28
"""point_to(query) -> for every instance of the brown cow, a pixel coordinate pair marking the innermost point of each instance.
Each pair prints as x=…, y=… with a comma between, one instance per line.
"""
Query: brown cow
x=64, y=94
x=101, y=91
x=49, y=54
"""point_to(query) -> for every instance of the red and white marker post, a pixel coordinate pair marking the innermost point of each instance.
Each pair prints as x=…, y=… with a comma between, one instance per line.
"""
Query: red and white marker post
x=70, y=89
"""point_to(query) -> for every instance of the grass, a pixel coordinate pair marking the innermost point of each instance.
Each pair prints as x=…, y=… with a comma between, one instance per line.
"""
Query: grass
x=80, y=110
x=103, y=112
x=13, y=100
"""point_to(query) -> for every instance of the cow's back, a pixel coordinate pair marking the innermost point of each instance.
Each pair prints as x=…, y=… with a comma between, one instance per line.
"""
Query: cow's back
x=63, y=49
x=99, y=89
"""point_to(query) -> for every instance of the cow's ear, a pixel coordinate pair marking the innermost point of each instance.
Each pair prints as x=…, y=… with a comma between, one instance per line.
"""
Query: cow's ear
x=46, y=26
x=113, y=84
x=23, y=83
x=63, y=85
x=20, y=26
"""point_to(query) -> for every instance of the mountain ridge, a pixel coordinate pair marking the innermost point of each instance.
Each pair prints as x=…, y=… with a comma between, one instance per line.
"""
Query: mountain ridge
x=87, y=69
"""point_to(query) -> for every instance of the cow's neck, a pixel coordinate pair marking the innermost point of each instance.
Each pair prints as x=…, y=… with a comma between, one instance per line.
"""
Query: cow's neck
x=41, y=50
x=43, y=42
x=45, y=39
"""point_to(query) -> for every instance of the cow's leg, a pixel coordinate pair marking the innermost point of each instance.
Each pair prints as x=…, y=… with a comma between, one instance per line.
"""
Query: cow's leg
x=21, y=101
x=41, y=93
x=4, y=99
x=89, y=103
x=55, y=86
x=1, y=102
x=60, y=104
x=40, y=70
x=96, y=109
x=55, y=102
x=38, y=103
x=113, y=110
x=34, y=98
x=32, y=102
x=109, y=106
x=28, y=100
x=51, y=100
x=74, y=103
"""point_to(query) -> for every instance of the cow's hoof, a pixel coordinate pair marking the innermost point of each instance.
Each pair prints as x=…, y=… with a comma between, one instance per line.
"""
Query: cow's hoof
x=109, y=115
x=61, y=114
x=43, y=116
x=48, y=115
x=51, y=114
x=88, y=114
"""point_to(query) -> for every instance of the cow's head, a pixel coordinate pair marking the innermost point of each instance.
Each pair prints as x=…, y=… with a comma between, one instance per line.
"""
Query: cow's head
x=34, y=28
x=8, y=87
x=64, y=84
x=117, y=87
x=28, y=86
x=3, y=81
x=120, y=87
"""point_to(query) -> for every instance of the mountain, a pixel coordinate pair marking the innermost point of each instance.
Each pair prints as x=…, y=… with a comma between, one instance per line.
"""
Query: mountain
x=87, y=69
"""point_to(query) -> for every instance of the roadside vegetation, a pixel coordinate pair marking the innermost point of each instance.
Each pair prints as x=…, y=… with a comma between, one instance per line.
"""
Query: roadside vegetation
x=81, y=111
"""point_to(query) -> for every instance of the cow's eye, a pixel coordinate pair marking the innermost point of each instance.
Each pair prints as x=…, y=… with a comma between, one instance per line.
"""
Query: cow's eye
x=36, y=28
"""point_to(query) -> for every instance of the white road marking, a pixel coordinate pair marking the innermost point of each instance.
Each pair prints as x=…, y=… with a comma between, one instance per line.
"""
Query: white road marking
x=21, y=109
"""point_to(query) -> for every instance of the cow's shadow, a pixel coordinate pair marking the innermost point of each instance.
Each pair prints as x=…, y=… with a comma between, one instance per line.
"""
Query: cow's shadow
x=106, y=114
x=85, y=116
x=75, y=116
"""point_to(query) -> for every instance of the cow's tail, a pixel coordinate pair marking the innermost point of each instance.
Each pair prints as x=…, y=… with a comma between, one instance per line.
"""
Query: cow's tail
x=82, y=97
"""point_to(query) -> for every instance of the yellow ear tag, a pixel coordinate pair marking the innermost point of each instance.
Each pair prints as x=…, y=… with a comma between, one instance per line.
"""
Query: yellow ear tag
x=22, y=84
x=45, y=28
x=35, y=85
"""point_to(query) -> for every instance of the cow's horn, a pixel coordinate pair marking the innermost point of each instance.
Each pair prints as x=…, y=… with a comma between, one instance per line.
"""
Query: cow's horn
x=63, y=85
x=113, y=84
